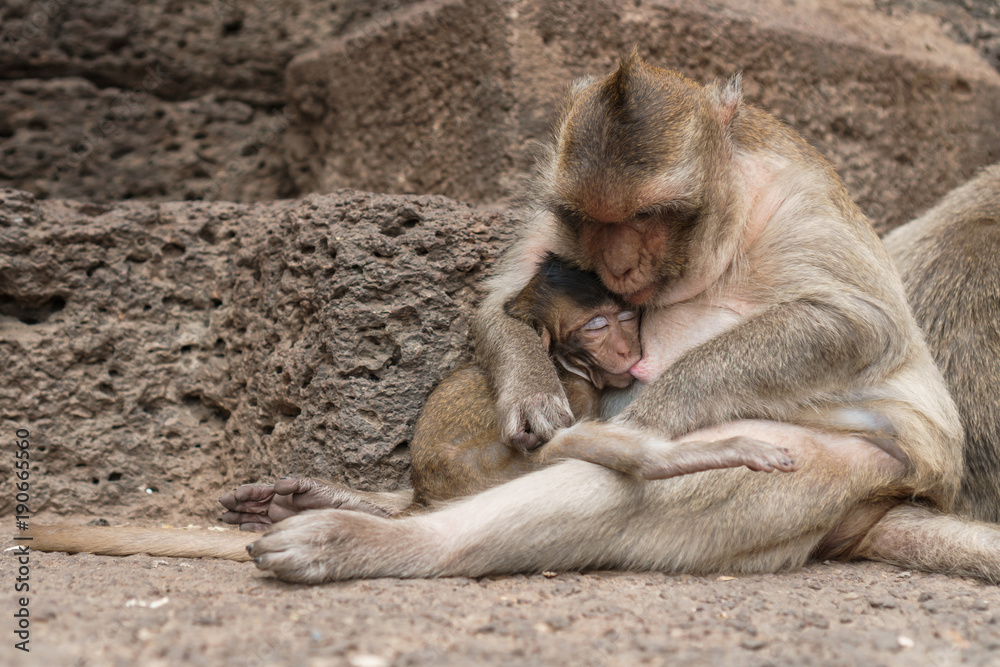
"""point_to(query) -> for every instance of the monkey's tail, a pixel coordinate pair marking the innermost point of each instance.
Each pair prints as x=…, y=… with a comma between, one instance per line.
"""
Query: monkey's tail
x=919, y=538
x=129, y=540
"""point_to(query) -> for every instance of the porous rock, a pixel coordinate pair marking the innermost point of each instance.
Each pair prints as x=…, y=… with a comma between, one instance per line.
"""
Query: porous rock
x=109, y=100
x=159, y=353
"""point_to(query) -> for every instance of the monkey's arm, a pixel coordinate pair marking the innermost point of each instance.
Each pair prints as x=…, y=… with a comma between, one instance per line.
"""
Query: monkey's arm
x=531, y=403
x=772, y=364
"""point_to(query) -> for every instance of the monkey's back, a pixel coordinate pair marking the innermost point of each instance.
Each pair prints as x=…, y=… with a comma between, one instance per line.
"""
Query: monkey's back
x=456, y=445
x=950, y=263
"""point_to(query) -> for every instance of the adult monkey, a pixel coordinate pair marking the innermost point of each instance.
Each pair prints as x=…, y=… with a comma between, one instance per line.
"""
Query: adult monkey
x=773, y=313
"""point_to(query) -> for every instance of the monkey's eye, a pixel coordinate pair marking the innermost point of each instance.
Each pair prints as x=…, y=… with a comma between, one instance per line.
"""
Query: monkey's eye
x=627, y=315
x=599, y=323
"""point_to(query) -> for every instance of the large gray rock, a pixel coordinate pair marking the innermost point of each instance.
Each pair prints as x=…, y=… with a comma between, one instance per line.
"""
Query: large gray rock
x=185, y=347
x=238, y=48
x=70, y=137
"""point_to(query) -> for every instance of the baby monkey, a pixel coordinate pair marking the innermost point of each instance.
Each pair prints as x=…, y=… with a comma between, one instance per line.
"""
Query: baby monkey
x=593, y=339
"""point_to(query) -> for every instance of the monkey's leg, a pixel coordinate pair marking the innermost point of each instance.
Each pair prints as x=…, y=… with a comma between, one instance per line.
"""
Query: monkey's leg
x=256, y=508
x=646, y=456
x=916, y=537
x=576, y=515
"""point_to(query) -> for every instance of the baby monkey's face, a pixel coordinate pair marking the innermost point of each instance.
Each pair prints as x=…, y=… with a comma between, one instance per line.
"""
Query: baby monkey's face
x=603, y=343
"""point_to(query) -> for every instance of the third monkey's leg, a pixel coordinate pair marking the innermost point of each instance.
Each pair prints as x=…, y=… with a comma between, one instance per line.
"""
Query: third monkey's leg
x=917, y=537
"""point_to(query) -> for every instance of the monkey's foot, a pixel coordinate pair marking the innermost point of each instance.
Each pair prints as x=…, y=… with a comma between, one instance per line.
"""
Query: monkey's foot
x=331, y=545
x=257, y=508
x=527, y=422
x=675, y=459
x=627, y=449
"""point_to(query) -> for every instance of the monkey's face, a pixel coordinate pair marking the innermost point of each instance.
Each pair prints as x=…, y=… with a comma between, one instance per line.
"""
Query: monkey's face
x=603, y=344
x=628, y=177
x=640, y=255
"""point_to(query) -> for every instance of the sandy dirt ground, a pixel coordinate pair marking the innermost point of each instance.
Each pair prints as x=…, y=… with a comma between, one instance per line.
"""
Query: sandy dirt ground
x=139, y=610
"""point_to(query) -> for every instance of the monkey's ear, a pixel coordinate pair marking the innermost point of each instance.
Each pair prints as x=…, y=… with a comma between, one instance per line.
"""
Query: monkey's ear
x=580, y=84
x=520, y=307
x=728, y=98
x=523, y=306
x=546, y=339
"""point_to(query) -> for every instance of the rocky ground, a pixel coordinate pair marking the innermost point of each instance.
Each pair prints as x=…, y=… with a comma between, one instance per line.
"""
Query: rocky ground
x=94, y=610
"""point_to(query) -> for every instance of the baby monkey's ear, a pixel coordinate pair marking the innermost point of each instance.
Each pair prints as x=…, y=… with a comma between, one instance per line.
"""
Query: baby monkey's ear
x=526, y=306
x=546, y=339
x=520, y=308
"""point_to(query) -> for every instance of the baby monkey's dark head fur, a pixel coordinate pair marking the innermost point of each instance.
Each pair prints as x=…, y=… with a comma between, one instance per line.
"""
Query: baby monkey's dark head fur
x=588, y=329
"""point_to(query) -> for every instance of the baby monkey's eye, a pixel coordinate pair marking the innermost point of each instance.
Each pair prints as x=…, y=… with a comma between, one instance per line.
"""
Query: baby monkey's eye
x=599, y=323
x=627, y=315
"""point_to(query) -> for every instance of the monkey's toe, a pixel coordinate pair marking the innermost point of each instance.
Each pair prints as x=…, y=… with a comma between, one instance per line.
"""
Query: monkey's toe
x=763, y=456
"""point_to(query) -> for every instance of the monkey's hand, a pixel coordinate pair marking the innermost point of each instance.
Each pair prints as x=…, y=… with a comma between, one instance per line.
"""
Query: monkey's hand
x=257, y=508
x=529, y=421
x=531, y=404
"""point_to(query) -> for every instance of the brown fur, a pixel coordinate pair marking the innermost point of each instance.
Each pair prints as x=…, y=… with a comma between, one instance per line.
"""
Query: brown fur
x=950, y=263
x=772, y=313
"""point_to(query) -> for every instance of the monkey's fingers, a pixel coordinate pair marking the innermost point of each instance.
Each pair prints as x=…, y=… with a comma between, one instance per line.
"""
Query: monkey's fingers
x=316, y=547
x=529, y=422
x=248, y=498
x=294, y=495
x=287, y=486
x=247, y=521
